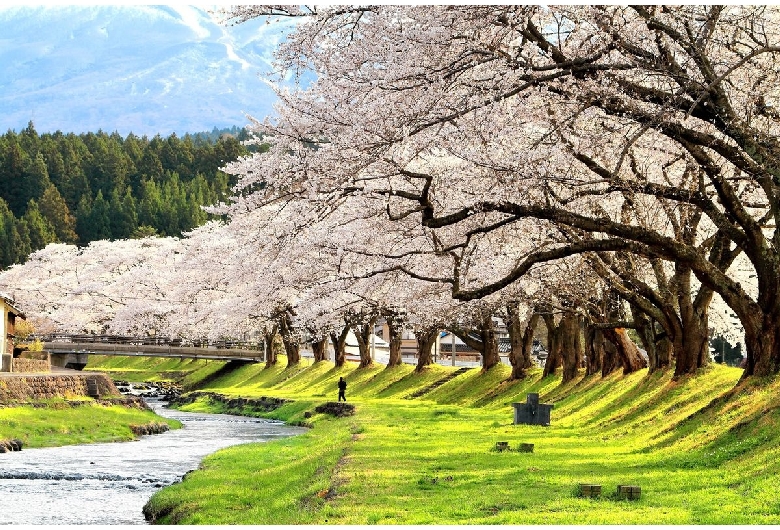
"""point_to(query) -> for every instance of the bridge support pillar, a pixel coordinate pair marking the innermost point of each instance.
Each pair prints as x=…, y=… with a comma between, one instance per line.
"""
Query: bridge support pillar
x=76, y=361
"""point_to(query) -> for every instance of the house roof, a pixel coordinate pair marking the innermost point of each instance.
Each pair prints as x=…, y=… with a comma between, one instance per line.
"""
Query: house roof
x=12, y=306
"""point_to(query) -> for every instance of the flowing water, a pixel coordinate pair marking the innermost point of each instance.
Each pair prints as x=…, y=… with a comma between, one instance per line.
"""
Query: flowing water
x=98, y=484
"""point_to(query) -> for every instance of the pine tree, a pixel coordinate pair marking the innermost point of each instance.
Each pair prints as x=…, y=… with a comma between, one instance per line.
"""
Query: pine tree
x=53, y=208
x=84, y=220
x=12, y=174
x=40, y=229
x=124, y=219
x=100, y=218
x=151, y=205
x=13, y=247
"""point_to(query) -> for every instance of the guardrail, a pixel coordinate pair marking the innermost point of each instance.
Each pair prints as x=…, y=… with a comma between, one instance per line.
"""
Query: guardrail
x=151, y=347
x=148, y=341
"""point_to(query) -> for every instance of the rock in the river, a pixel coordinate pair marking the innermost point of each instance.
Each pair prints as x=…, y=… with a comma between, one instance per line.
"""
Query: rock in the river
x=149, y=428
x=6, y=446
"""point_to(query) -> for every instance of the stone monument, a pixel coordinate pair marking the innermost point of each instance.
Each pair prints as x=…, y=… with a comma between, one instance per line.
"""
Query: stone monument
x=532, y=412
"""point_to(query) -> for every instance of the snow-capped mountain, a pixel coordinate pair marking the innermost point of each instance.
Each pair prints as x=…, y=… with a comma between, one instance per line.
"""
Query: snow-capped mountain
x=140, y=69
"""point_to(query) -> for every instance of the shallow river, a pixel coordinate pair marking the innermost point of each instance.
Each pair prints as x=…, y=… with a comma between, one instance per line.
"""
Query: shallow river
x=110, y=483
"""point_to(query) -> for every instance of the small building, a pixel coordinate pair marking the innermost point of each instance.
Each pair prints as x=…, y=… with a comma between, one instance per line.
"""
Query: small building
x=10, y=313
x=381, y=348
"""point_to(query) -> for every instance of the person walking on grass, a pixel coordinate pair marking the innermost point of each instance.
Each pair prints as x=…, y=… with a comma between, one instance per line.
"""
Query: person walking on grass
x=342, y=389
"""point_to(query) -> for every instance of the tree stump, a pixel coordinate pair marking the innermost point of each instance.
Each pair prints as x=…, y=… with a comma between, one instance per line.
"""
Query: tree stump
x=525, y=448
x=502, y=446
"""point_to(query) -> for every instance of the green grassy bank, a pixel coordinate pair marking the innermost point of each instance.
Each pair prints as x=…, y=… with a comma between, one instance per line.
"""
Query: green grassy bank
x=54, y=422
x=59, y=421
x=702, y=450
x=189, y=372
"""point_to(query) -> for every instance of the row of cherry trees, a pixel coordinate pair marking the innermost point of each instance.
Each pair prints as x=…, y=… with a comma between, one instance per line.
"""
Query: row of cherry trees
x=597, y=168
x=643, y=140
x=303, y=274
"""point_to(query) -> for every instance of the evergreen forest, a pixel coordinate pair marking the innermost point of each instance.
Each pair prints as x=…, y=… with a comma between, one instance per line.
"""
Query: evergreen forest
x=69, y=188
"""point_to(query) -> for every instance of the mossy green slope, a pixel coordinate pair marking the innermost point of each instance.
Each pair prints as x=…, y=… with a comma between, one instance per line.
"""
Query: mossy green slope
x=703, y=450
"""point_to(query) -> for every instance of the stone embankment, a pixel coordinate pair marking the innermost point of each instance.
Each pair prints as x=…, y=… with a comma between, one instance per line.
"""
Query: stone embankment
x=239, y=405
x=21, y=389
x=34, y=389
x=31, y=365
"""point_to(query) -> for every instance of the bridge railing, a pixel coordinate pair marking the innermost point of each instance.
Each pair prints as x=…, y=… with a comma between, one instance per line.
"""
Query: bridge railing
x=147, y=341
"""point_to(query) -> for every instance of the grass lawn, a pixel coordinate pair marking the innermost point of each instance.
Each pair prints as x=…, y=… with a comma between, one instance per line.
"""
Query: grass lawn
x=702, y=450
x=60, y=424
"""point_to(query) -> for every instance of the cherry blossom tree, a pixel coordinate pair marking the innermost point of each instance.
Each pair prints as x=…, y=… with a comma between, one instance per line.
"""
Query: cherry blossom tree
x=81, y=290
x=479, y=118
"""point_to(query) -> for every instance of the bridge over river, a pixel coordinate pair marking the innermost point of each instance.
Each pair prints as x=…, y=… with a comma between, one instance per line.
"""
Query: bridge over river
x=71, y=351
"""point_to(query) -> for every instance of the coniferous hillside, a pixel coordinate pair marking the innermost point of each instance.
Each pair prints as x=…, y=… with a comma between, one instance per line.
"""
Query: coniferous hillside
x=70, y=188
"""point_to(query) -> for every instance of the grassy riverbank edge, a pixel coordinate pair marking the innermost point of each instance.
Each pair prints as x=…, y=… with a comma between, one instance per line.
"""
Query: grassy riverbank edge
x=56, y=422
x=703, y=450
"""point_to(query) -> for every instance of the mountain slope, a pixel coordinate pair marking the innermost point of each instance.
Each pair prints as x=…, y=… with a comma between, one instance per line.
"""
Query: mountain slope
x=141, y=69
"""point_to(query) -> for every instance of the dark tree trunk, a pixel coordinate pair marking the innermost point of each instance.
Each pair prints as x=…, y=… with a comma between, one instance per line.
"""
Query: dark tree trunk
x=611, y=359
x=627, y=353
x=490, y=356
x=664, y=350
x=528, y=340
x=692, y=346
x=760, y=319
x=762, y=345
x=624, y=352
x=291, y=346
x=553, y=346
x=425, y=340
x=520, y=340
x=270, y=350
x=395, y=343
x=594, y=350
x=486, y=344
x=339, y=347
x=571, y=345
x=319, y=348
x=658, y=350
x=363, y=334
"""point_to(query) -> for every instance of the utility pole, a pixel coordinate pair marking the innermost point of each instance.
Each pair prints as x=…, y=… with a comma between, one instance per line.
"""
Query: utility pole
x=452, y=337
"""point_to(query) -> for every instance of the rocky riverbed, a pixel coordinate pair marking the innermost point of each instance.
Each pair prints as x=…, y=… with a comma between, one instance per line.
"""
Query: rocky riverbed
x=162, y=390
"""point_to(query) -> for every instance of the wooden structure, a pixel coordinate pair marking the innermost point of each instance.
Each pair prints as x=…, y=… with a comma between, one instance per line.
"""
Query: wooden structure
x=10, y=314
x=629, y=492
x=590, y=490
